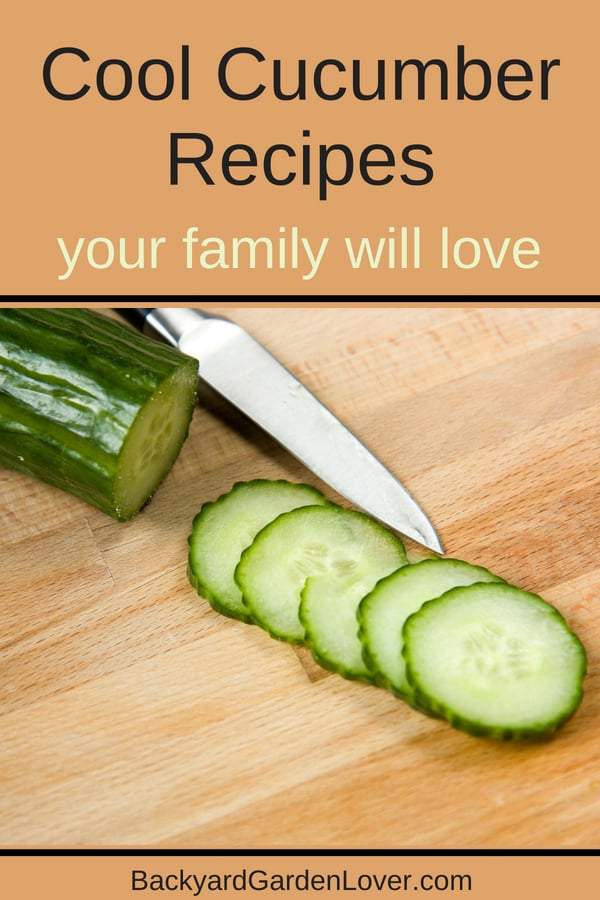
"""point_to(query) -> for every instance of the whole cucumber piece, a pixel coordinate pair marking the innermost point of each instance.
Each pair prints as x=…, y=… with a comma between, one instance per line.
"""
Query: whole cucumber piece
x=90, y=406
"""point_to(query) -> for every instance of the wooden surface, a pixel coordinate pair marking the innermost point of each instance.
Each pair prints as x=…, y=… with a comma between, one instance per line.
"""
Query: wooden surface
x=132, y=715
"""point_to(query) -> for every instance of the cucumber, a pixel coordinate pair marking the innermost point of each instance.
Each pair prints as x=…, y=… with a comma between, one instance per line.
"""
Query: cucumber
x=328, y=614
x=453, y=639
x=382, y=613
x=494, y=661
x=225, y=527
x=90, y=406
x=344, y=545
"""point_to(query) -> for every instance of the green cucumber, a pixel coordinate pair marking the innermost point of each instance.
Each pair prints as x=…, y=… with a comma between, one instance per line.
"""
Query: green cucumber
x=328, y=614
x=494, y=661
x=90, y=406
x=225, y=527
x=453, y=639
x=345, y=546
x=382, y=613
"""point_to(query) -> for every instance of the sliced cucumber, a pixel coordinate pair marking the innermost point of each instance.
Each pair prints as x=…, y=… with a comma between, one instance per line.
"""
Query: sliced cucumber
x=382, y=613
x=453, y=639
x=495, y=661
x=225, y=527
x=328, y=614
x=345, y=545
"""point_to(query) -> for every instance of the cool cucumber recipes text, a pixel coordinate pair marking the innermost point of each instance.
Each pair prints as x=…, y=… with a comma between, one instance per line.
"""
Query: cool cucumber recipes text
x=246, y=74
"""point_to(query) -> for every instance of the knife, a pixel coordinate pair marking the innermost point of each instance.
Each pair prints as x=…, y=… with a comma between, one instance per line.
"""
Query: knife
x=245, y=373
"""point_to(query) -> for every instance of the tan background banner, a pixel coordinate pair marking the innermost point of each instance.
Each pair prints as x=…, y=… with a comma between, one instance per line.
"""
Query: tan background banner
x=324, y=194
x=131, y=877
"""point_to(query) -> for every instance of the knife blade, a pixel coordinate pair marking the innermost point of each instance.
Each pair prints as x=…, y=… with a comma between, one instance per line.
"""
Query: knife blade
x=245, y=373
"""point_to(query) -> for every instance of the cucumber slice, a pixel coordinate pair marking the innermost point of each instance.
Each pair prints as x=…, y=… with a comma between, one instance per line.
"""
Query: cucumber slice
x=225, y=527
x=90, y=406
x=328, y=613
x=494, y=661
x=382, y=613
x=345, y=545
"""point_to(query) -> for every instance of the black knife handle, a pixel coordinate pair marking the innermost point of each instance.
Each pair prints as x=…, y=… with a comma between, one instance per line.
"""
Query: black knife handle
x=166, y=324
x=136, y=316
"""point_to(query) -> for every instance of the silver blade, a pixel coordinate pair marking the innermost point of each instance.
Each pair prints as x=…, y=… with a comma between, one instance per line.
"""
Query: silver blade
x=240, y=369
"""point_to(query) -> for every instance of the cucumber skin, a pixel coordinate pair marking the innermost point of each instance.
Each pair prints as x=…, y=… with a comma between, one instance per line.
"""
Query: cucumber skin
x=72, y=382
x=427, y=704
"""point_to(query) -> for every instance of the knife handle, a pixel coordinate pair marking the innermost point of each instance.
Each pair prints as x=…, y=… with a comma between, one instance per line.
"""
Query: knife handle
x=136, y=316
x=141, y=317
x=166, y=323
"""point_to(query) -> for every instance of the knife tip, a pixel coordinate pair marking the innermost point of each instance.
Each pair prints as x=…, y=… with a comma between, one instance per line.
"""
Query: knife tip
x=436, y=546
x=428, y=537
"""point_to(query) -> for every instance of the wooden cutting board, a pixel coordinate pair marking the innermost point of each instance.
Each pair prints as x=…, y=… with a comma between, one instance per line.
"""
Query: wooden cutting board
x=132, y=715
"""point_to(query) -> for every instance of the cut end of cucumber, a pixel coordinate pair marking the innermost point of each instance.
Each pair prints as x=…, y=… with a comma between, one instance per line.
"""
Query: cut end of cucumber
x=154, y=441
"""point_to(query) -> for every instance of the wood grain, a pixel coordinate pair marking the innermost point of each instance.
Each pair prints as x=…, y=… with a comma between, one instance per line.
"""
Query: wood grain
x=132, y=715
